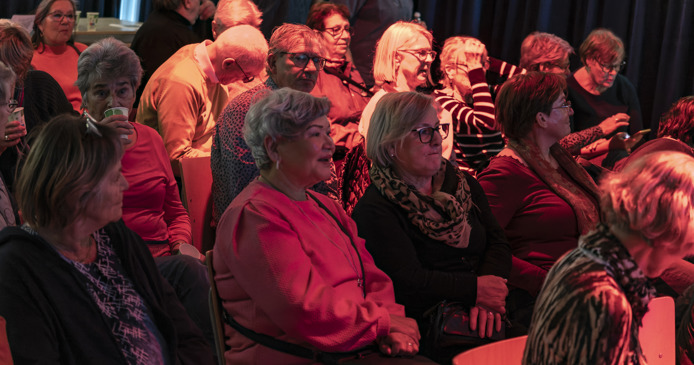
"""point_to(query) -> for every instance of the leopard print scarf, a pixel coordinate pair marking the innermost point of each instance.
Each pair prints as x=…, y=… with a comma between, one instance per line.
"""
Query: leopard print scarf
x=441, y=216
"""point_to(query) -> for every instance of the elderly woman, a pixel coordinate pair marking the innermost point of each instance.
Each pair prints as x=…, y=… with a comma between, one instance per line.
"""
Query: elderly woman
x=597, y=91
x=54, y=49
x=339, y=80
x=36, y=92
x=548, y=53
x=427, y=224
x=466, y=96
x=108, y=75
x=541, y=197
x=288, y=261
x=73, y=250
x=8, y=209
x=648, y=210
x=403, y=63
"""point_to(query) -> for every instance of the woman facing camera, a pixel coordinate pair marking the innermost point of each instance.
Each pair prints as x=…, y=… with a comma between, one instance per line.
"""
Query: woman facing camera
x=55, y=51
x=288, y=262
x=427, y=224
x=647, y=210
x=541, y=197
x=90, y=291
x=597, y=90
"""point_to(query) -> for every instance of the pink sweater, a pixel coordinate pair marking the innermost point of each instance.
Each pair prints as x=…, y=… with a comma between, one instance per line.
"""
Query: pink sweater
x=285, y=269
x=151, y=205
x=61, y=63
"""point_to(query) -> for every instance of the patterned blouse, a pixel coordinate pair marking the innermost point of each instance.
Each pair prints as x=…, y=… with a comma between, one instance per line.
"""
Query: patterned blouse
x=122, y=306
x=591, y=306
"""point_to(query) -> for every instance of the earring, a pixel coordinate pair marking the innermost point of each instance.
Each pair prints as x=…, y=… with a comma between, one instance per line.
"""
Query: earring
x=277, y=164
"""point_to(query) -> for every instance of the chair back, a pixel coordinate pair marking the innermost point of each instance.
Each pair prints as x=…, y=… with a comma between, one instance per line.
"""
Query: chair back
x=504, y=352
x=215, y=312
x=196, y=186
x=657, y=332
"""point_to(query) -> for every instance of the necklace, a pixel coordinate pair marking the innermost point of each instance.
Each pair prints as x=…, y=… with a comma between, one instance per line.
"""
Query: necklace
x=346, y=253
x=83, y=259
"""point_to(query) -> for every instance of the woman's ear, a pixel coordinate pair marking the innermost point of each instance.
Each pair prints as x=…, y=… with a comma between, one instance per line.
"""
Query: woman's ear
x=271, y=148
x=541, y=119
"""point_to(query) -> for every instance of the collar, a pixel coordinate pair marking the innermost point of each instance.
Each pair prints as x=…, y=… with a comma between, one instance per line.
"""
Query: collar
x=270, y=83
x=174, y=16
x=203, y=60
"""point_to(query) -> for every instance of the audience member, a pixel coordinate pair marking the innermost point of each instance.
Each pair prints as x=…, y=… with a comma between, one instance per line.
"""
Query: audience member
x=276, y=13
x=467, y=97
x=647, y=210
x=402, y=63
x=8, y=208
x=538, y=193
x=36, y=92
x=165, y=31
x=186, y=95
x=597, y=91
x=293, y=61
x=231, y=13
x=370, y=19
x=427, y=224
x=108, y=75
x=55, y=50
x=288, y=262
x=546, y=52
x=339, y=80
x=90, y=291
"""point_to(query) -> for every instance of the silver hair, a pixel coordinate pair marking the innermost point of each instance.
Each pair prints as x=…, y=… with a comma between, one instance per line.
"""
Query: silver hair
x=282, y=113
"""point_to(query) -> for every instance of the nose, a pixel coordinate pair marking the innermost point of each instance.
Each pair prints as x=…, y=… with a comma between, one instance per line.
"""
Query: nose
x=124, y=183
x=329, y=144
x=311, y=66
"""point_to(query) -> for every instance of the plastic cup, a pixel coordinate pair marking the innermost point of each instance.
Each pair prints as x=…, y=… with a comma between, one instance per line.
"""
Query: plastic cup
x=119, y=110
x=17, y=114
x=92, y=19
x=78, y=14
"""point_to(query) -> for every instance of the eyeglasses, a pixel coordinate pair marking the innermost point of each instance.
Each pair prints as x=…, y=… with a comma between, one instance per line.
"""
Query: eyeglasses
x=301, y=60
x=246, y=78
x=335, y=32
x=565, y=105
x=11, y=104
x=58, y=17
x=421, y=54
x=564, y=66
x=609, y=68
x=426, y=134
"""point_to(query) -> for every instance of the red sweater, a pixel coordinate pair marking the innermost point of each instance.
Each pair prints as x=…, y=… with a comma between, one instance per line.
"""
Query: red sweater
x=61, y=63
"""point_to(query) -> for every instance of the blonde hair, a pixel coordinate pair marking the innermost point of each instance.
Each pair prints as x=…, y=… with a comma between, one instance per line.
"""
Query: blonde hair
x=540, y=47
x=394, y=38
x=394, y=117
x=453, y=47
x=653, y=196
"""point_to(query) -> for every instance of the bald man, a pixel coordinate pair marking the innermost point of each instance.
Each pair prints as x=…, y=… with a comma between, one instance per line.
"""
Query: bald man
x=186, y=94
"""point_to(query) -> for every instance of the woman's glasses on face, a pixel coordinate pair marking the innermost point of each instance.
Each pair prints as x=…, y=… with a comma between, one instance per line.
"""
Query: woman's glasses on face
x=421, y=54
x=11, y=104
x=565, y=105
x=426, y=134
x=609, y=68
x=301, y=60
x=336, y=32
x=58, y=17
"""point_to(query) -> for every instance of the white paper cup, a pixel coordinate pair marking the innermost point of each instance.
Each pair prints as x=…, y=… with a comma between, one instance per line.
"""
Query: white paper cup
x=17, y=114
x=119, y=110
x=92, y=19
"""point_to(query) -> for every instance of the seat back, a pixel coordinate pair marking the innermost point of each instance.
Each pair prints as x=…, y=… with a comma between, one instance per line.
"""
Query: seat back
x=657, y=332
x=504, y=352
x=196, y=183
x=216, y=311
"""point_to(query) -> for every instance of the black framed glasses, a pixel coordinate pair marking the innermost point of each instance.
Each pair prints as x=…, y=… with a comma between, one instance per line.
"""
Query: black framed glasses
x=609, y=68
x=246, y=78
x=57, y=17
x=301, y=60
x=11, y=104
x=426, y=134
x=421, y=54
x=565, y=105
x=335, y=32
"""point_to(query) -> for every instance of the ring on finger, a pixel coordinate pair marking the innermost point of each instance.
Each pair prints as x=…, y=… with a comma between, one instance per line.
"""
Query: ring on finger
x=490, y=314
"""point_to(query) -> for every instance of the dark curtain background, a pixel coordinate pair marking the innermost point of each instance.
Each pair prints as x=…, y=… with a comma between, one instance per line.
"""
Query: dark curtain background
x=657, y=34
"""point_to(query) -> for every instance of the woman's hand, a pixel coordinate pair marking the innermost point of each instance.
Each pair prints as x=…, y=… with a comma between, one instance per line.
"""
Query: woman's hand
x=484, y=321
x=474, y=52
x=120, y=122
x=398, y=344
x=13, y=134
x=207, y=10
x=611, y=124
x=406, y=326
x=492, y=292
